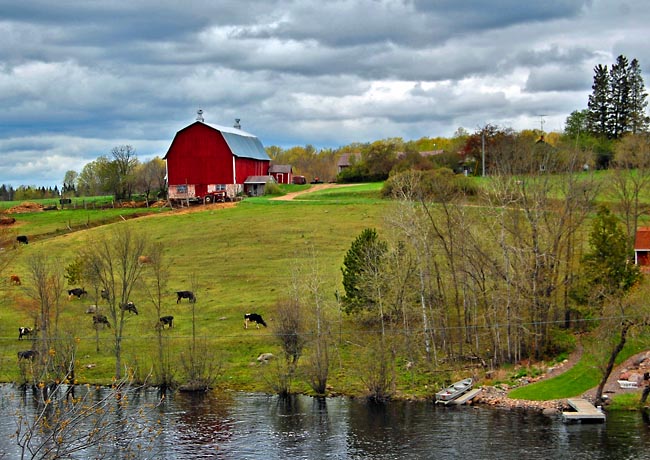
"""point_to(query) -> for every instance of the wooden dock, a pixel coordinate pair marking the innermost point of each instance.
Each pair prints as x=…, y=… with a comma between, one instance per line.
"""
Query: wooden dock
x=583, y=411
x=462, y=399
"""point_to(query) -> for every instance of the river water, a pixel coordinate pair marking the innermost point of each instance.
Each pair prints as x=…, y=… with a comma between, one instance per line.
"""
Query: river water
x=258, y=426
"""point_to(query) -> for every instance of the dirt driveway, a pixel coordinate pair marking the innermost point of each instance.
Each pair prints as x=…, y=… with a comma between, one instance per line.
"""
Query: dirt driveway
x=313, y=188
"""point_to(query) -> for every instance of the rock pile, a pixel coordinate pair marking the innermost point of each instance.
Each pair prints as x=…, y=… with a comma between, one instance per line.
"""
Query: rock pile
x=636, y=369
x=498, y=398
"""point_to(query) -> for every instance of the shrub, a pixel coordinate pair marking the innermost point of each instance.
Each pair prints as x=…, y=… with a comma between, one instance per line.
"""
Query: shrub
x=272, y=188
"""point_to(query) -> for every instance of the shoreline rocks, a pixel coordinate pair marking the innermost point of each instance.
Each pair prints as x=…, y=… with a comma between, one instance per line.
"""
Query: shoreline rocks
x=498, y=398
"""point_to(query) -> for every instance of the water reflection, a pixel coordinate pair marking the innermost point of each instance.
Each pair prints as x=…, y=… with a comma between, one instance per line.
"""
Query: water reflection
x=257, y=426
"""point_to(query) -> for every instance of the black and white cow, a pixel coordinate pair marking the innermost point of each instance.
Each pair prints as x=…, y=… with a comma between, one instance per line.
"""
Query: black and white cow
x=101, y=319
x=185, y=295
x=27, y=354
x=77, y=292
x=130, y=307
x=105, y=294
x=255, y=318
x=24, y=332
x=166, y=321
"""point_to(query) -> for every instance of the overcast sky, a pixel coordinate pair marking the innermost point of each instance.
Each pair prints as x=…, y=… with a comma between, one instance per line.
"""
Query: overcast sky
x=78, y=78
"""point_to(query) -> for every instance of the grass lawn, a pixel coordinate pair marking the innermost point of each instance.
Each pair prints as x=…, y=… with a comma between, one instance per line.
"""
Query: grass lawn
x=575, y=381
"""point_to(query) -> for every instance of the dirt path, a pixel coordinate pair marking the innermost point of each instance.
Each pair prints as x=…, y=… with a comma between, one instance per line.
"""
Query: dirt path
x=313, y=188
x=611, y=386
x=201, y=208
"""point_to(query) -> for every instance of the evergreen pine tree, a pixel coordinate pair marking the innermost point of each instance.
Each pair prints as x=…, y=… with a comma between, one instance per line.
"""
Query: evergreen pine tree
x=639, y=121
x=366, y=249
x=618, y=120
x=598, y=105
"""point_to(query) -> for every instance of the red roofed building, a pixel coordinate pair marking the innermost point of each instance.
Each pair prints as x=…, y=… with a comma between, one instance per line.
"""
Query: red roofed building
x=642, y=249
x=283, y=174
x=206, y=162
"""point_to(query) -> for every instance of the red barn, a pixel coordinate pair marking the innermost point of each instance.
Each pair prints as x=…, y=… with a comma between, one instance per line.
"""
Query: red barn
x=206, y=162
x=642, y=249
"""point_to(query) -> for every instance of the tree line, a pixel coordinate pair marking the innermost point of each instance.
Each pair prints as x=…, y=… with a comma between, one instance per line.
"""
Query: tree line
x=121, y=175
x=616, y=108
x=23, y=192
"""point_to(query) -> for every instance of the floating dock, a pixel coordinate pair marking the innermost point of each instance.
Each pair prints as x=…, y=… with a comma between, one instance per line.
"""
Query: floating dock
x=583, y=411
x=462, y=399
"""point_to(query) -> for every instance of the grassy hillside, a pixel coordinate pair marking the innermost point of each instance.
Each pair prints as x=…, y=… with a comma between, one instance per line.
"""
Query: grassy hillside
x=241, y=256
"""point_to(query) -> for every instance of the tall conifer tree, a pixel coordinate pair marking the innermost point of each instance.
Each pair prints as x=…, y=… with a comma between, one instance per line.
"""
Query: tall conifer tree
x=598, y=105
x=619, y=98
x=638, y=119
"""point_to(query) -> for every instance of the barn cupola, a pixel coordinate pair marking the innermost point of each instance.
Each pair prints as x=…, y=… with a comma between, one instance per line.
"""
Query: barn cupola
x=199, y=116
x=237, y=125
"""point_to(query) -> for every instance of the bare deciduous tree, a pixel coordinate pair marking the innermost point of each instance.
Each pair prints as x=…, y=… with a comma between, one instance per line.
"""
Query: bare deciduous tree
x=622, y=316
x=85, y=420
x=290, y=332
x=156, y=286
x=122, y=171
x=629, y=180
x=307, y=288
x=151, y=177
x=201, y=371
x=45, y=287
x=113, y=261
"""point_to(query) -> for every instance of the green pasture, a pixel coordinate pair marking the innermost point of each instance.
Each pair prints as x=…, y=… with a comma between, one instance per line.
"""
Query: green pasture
x=46, y=224
x=242, y=259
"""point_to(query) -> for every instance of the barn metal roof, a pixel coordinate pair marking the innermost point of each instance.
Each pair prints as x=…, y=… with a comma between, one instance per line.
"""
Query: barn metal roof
x=259, y=179
x=241, y=143
x=286, y=169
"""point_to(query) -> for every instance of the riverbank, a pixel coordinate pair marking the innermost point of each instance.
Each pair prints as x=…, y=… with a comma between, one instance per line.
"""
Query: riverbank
x=631, y=369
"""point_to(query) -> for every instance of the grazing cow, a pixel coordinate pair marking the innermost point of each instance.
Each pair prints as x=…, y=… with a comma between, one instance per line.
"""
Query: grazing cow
x=101, y=319
x=24, y=332
x=15, y=279
x=166, y=321
x=143, y=260
x=129, y=306
x=185, y=295
x=255, y=318
x=91, y=310
x=22, y=239
x=27, y=354
x=77, y=292
x=105, y=295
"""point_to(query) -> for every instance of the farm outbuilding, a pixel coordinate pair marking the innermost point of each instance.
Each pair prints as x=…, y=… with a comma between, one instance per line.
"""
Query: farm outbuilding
x=283, y=174
x=256, y=185
x=642, y=249
x=206, y=162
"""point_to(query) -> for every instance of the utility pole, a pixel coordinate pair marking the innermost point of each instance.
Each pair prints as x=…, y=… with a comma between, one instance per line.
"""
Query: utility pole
x=483, y=152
